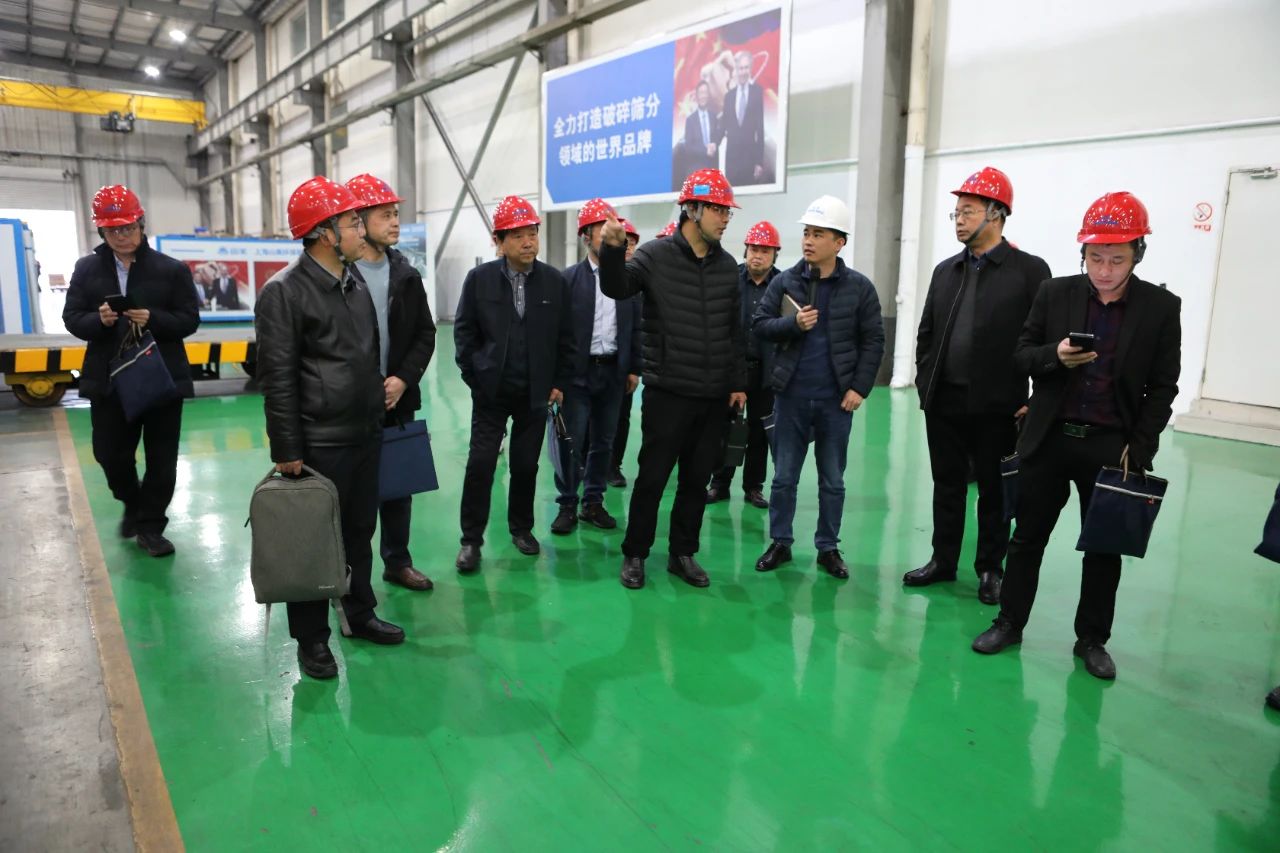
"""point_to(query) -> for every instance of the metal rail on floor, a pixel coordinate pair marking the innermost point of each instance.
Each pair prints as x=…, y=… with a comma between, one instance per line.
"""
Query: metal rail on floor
x=40, y=368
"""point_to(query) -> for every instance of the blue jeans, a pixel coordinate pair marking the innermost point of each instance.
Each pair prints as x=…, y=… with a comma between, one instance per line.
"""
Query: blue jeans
x=794, y=421
x=597, y=401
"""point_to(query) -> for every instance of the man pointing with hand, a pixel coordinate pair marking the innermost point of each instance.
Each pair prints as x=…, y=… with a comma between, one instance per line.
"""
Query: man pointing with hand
x=694, y=366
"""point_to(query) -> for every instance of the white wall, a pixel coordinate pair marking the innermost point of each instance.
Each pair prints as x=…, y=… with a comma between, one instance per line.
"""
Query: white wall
x=1062, y=71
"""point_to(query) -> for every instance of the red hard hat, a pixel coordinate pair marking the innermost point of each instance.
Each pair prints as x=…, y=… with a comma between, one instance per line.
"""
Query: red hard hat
x=596, y=210
x=1114, y=218
x=989, y=182
x=763, y=234
x=514, y=212
x=631, y=229
x=315, y=201
x=708, y=185
x=667, y=230
x=116, y=205
x=371, y=191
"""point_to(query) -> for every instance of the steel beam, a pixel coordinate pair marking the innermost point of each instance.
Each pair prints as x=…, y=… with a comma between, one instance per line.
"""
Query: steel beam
x=485, y=59
x=132, y=79
x=343, y=43
x=140, y=50
x=210, y=16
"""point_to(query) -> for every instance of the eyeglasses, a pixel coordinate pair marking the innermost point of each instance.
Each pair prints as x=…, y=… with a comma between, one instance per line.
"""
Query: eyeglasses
x=719, y=210
x=123, y=230
x=967, y=213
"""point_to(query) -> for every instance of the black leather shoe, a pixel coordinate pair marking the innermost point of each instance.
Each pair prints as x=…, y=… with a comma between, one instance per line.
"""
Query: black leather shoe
x=154, y=544
x=616, y=479
x=316, y=660
x=128, y=527
x=756, y=498
x=833, y=563
x=597, y=515
x=377, y=631
x=688, y=570
x=775, y=556
x=715, y=494
x=989, y=587
x=633, y=572
x=468, y=559
x=1096, y=660
x=566, y=520
x=409, y=578
x=1000, y=636
x=1273, y=698
x=929, y=573
x=525, y=543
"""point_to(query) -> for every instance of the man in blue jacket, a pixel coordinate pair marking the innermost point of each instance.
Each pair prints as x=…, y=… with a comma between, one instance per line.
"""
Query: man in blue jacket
x=513, y=342
x=607, y=342
x=826, y=318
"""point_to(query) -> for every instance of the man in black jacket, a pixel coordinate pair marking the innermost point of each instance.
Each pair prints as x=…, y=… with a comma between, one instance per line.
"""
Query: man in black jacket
x=694, y=366
x=971, y=393
x=513, y=336
x=762, y=246
x=702, y=132
x=1091, y=406
x=408, y=339
x=607, y=345
x=164, y=299
x=743, y=123
x=323, y=394
x=826, y=319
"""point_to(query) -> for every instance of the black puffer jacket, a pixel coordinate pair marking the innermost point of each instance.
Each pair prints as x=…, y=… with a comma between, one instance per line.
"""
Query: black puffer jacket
x=693, y=340
x=156, y=282
x=318, y=357
x=855, y=331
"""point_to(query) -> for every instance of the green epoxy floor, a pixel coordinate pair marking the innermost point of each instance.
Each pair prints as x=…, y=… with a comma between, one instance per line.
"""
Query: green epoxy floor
x=540, y=706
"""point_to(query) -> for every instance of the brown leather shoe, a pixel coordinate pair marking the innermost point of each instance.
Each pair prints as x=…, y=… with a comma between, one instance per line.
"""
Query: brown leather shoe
x=409, y=578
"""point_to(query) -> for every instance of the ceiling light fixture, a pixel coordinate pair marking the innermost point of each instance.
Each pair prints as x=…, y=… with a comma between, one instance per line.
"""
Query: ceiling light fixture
x=177, y=35
x=151, y=71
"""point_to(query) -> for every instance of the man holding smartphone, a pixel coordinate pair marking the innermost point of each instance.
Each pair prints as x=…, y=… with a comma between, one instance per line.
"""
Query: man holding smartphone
x=970, y=390
x=1088, y=410
x=125, y=282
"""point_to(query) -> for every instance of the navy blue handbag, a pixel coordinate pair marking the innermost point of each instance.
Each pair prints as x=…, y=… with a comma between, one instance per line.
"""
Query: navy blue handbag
x=139, y=376
x=1122, y=511
x=735, y=438
x=1270, y=547
x=407, y=466
x=560, y=448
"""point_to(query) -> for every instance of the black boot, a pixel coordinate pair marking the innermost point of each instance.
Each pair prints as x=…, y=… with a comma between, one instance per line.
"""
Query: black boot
x=1096, y=659
x=989, y=587
x=633, y=572
x=774, y=557
x=316, y=660
x=1000, y=636
x=688, y=570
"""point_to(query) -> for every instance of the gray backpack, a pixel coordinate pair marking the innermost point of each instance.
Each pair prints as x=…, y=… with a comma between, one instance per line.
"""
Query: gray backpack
x=297, y=540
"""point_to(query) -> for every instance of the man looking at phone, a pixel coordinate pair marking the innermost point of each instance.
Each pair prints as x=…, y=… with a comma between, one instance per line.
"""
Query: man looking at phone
x=970, y=390
x=1088, y=409
x=125, y=283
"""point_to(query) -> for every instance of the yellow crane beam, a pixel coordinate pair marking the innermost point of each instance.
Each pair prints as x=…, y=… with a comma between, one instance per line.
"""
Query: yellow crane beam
x=70, y=99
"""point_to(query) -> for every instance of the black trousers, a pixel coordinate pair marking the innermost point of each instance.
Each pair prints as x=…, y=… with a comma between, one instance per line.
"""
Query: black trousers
x=620, y=434
x=687, y=430
x=759, y=407
x=354, y=472
x=488, y=422
x=115, y=446
x=956, y=437
x=1044, y=485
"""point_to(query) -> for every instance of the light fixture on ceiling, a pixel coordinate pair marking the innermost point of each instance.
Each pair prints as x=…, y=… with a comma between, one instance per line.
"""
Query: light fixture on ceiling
x=177, y=35
x=151, y=71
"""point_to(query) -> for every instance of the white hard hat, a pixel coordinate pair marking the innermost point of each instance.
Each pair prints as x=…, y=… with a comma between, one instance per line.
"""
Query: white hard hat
x=827, y=212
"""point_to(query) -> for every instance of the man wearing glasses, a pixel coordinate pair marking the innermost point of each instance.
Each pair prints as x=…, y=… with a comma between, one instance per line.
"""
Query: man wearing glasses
x=694, y=356
x=163, y=299
x=970, y=390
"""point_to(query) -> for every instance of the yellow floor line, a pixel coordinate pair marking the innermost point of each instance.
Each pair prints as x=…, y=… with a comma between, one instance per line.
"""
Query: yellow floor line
x=155, y=826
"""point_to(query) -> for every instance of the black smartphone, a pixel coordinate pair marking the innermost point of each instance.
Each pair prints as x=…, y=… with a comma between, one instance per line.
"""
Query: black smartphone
x=120, y=303
x=1084, y=340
